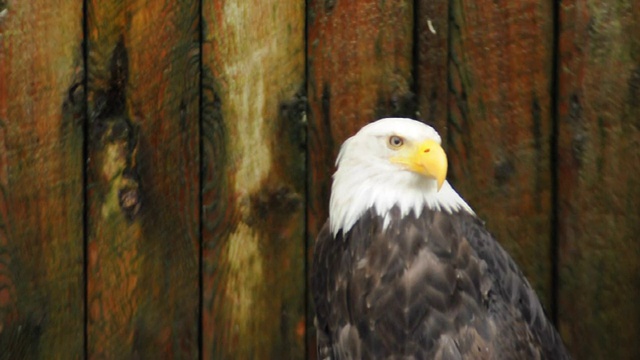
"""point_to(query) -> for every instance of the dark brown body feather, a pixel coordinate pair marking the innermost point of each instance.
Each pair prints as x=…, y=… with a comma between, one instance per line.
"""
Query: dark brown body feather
x=434, y=287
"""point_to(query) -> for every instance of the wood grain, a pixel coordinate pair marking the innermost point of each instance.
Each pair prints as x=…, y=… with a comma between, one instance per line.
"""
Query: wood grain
x=598, y=167
x=143, y=179
x=360, y=69
x=41, y=244
x=499, y=125
x=254, y=193
x=480, y=71
x=431, y=42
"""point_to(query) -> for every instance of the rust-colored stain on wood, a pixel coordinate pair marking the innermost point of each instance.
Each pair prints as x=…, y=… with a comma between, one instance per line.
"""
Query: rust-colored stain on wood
x=253, y=199
x=499, y=125
x=598, y=167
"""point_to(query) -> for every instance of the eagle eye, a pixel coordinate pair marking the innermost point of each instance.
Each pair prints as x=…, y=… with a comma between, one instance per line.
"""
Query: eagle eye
x=395, y=141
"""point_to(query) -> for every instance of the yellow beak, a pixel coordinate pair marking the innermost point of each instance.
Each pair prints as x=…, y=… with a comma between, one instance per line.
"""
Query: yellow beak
x=428, y=159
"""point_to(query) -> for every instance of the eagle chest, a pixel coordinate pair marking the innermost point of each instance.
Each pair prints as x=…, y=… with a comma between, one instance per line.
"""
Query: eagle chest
x=410, y=288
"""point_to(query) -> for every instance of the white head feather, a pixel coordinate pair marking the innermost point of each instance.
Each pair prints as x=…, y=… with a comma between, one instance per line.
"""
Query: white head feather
x=367, y=178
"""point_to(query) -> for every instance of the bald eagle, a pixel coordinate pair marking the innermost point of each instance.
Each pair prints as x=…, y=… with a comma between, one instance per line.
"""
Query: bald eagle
x=404, y=269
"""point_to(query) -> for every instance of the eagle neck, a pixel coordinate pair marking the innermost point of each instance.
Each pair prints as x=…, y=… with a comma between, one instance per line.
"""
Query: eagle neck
x=354, y=193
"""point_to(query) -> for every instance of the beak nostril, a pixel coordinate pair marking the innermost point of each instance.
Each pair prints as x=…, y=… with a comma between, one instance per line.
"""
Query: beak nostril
x=427, y=150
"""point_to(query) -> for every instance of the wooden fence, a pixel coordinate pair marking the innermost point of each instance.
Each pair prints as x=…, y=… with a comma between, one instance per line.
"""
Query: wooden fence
x=165, y=165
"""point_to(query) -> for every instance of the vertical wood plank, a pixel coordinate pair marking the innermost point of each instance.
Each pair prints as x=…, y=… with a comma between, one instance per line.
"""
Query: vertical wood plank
x=360, y=69
x=499, y=124
x=432, y=60
x=143, y=176
x=254, y=194
x=41, y=139
x=598, y=167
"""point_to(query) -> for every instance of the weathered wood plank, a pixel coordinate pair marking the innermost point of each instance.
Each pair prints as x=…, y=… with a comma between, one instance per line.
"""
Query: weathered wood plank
x=143, y=175
x=41, y=139
x=598, y=167
x=360, y=64
x=499, y=124
x=432, y=62
x=254, y=193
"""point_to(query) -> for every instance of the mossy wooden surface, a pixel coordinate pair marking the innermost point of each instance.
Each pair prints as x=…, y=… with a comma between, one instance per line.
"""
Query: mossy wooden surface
x=598, y=167
x=41, y=271
x=253, y=191
x=498, y=131
x=143, y=179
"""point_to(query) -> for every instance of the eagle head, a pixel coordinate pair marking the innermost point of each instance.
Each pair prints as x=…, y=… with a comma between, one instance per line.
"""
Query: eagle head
x=391, y=162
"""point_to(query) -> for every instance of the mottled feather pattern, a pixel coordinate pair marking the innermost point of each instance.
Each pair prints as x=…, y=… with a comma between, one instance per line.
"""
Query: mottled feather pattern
x=434, y=287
